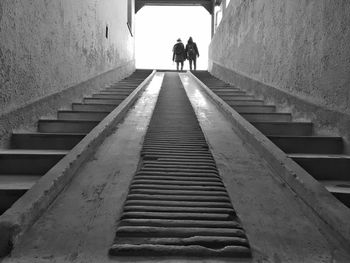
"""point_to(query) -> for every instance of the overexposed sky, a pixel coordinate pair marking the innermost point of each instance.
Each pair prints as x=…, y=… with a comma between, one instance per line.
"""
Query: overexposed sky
x=158, y=27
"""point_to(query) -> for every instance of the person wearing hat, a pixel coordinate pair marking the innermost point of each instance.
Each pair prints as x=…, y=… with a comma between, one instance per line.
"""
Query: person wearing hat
x=179, y=54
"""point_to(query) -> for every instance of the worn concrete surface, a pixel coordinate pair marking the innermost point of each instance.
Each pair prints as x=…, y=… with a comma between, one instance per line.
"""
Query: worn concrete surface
x=47, y=47
x=300, y=48
x=80, y=225
x=278, y=227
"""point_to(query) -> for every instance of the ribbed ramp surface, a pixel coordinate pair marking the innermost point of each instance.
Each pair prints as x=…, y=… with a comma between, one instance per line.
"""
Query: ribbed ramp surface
x=177, y=204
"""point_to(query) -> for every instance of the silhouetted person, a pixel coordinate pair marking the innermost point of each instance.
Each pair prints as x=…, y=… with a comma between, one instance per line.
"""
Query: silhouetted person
x=179, y=54
x=192, y=53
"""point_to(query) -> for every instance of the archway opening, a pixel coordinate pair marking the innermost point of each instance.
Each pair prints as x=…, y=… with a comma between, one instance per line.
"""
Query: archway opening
x=158, y=27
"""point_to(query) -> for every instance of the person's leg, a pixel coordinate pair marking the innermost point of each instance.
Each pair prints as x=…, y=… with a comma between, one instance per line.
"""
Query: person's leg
x=182, y=65
x=194, y=64
x=177, y=65
x=190, y=60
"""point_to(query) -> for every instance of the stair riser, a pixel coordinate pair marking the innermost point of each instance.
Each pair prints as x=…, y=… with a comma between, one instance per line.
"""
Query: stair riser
x=121, y=91
x=226, y=89
x=236, y=97
x=124, y=85
x=7, y=198
x=102, y=101
x=215, y=86
x=116, y=92
x=27, y=164
x=57, y=142
x=268, y=117
x=309, y=145
x=291, y=129
x=63, y=127
x=255, y=109
x=230, y=93
x=344, y=198
x=326, y=168
x=109, y=96
x=89, y=116
x=238, y=103
x=93, y=107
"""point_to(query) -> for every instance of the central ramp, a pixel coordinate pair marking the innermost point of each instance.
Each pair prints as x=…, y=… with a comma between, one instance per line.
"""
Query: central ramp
x=177, y=204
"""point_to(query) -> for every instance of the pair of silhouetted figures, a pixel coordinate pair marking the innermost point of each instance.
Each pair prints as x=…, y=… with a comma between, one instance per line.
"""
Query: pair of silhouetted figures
x=180, y=53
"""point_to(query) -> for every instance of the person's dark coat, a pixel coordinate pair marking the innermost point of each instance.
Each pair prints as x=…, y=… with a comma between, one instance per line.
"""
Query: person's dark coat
x=179, y=54
x=191, y=50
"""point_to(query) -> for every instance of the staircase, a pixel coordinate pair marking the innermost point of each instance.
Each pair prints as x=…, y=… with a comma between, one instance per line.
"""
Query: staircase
x=32, y=154
x=321, y=156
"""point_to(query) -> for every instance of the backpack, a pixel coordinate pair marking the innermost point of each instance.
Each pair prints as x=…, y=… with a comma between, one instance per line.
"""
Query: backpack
x=191, y=51
x=179, y=49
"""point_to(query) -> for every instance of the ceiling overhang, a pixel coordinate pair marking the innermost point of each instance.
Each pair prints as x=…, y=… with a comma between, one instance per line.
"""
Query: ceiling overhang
x=207, y=4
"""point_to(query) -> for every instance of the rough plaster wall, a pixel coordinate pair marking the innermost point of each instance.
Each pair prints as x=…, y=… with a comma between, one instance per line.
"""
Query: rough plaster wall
x=299, y=46
x=47, y=46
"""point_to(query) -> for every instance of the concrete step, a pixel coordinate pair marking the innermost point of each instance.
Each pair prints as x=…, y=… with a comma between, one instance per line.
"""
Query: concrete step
x=255, y=108
x=17, y=182
x=110, y=96
x=324, y=166
x=31, y=162
x=82, y=115
x=125, y=84
x=156, y=232
x=226, y=89
x=236, y=97
x=309, y=144
x=66, y=126
x=285, y=128
x=122, y=89
x=217, y=85
x=340, y=189
x=267, y=117
x=229, y=92
x=103, y=101
x=13, y=187
x=57, y=141
x=116, y=92
x=93, y=107
x=119, y=90
x=245, y=102
x=179, y=223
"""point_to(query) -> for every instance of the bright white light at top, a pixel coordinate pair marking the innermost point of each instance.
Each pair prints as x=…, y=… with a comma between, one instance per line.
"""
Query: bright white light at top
x=158, y=27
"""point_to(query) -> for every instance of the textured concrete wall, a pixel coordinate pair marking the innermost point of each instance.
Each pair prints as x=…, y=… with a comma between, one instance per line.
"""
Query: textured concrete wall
x=301, y=47
x=48, y=46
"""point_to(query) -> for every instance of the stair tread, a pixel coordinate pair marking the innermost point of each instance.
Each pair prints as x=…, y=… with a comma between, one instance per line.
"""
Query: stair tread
x=317, y=155
x=49, y=134
x=81, y=111
x=283, y=122
x=338, y=186
x=18, y=182
x=304, y=137
x=32, y=152
x=87, y=103
x=264, y=113
x=74, y=121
